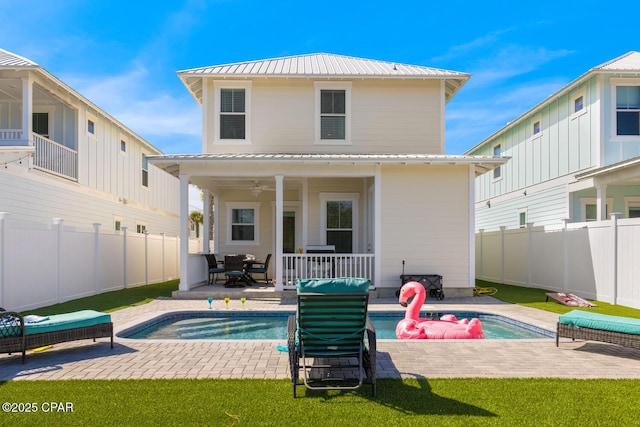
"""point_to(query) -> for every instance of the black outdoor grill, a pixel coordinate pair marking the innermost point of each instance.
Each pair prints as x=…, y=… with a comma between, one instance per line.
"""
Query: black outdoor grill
x=432, y=283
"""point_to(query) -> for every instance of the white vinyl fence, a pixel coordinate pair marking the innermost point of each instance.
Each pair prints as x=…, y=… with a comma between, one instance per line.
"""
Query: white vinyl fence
x=596, y=260
x=42, y=265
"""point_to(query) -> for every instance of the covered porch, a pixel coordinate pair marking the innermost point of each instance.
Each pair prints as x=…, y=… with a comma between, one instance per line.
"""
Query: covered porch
x=281, y=204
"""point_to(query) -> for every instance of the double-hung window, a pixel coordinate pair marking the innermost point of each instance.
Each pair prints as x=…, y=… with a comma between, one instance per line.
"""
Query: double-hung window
x=232, y=111
x=497, y=172
x=145, y=171
x=333, y=112
x=243, y=224
x=627, y=110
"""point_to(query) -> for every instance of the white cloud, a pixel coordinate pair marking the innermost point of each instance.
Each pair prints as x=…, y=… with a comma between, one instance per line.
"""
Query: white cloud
x=156, y=115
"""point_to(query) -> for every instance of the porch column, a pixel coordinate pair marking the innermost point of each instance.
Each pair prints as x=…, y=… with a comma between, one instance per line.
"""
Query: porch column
x=601, y=202
x=377, y=228
x=27, y=109
x=472, y=225
x=277, y=270
x=206, y=207
x=184, y=232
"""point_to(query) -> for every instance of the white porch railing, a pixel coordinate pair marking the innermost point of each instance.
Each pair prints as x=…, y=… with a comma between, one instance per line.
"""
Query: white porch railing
x=55, y=158
x=308, y=266
x=10, y=135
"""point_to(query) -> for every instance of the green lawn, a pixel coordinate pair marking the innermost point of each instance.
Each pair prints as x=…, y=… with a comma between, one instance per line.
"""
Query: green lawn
x=410, y=402
x=415, y=402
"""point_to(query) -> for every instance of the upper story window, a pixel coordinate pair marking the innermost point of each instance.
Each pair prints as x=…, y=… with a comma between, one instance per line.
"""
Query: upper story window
x=578, y=104
x=333, y=112
x=536, y=127
x=91, y=127
x=232, y=112
x=627, y=110
x=123, y=146
x=145, y=171
x=497, y=152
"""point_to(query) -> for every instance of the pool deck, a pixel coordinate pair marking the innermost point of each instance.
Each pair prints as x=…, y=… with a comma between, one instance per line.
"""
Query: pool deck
x=131, y=359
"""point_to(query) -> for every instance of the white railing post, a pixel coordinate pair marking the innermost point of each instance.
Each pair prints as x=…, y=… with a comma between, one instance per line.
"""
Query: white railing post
x=96, y=256
x=614, y=231
x=57, y=231
x=3, y=255
x=124, y=257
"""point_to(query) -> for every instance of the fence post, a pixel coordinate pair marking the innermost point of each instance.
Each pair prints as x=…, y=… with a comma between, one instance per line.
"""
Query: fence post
x=3, y=252
x=502, y=229
x=124, y=257
x=565, y=251
x=614, y=229
x=146, y=257
x=96, y=256
x=57, y=230
x=481, y=253
x=163, y=260
x=529, y=252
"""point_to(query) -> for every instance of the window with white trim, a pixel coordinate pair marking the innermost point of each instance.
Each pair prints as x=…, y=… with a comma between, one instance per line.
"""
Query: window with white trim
x=91, y=125
x=243, y=223
x=339, y=218
x=123, y=146
x=145, y=171
x=141, y=227
x=497, y=152
x=522, y=217
x=536, y=127
x=632, y=205
x=589, y=209
x=232, y=112
x=117, y=223
x=627, y=102
x=333, y=112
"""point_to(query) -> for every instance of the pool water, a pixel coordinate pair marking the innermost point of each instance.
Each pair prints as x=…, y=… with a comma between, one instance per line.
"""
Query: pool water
x=218, y=325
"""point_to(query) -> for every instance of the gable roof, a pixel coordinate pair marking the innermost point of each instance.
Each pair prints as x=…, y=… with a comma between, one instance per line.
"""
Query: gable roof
x=321, y=65
x=629, y=62
x=11, y=60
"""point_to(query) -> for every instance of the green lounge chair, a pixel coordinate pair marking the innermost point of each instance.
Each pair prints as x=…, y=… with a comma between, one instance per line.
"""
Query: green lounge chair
x=327, y=333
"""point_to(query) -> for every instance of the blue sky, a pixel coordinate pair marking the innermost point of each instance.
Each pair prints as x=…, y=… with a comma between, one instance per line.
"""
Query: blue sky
x=123, y=55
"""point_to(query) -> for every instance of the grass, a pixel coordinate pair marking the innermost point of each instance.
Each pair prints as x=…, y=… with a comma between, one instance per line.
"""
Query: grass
x=535, y=298
x=407, y=402
x=411, y=402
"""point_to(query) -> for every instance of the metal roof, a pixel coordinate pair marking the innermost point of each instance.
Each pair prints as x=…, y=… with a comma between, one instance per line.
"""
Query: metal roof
x=321, y=65
x=11, y=60
x=627, y=62
x=171, y=162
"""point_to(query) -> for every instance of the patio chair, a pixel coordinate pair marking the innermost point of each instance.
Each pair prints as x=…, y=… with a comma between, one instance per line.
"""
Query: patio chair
x=260, y=268
x=326, y=336
x=234, y=271
x=214, y=268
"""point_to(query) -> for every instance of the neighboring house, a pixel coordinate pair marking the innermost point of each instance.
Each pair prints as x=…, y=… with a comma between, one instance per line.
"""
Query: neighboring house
x=63, y=157
x=575, y=155
x=316, y=150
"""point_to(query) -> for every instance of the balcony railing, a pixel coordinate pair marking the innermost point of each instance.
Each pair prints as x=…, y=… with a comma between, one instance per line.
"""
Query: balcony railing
x=308, y=266
x=54, y=158
x=10, y=135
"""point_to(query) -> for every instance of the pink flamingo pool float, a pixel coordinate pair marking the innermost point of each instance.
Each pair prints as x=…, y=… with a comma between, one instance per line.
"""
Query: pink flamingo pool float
x=412, y=327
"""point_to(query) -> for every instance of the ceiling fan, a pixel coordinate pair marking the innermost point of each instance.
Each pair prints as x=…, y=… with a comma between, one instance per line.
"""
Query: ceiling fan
x=257, y=188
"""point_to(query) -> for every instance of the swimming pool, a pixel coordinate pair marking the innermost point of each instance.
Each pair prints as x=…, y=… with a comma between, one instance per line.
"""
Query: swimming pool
x=263, y=325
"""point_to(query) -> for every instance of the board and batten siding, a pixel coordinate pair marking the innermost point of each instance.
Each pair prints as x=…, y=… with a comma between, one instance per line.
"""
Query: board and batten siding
x=567, y=144
x=398, y=116
x=425, y=222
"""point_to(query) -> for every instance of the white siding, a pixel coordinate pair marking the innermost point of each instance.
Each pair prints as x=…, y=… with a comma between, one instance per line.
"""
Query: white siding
x=399, y=117
x=425, y=216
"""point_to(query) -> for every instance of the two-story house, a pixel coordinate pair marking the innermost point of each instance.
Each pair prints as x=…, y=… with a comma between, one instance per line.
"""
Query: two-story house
x=64, y=157
x=341, y=153
x=575, y=155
